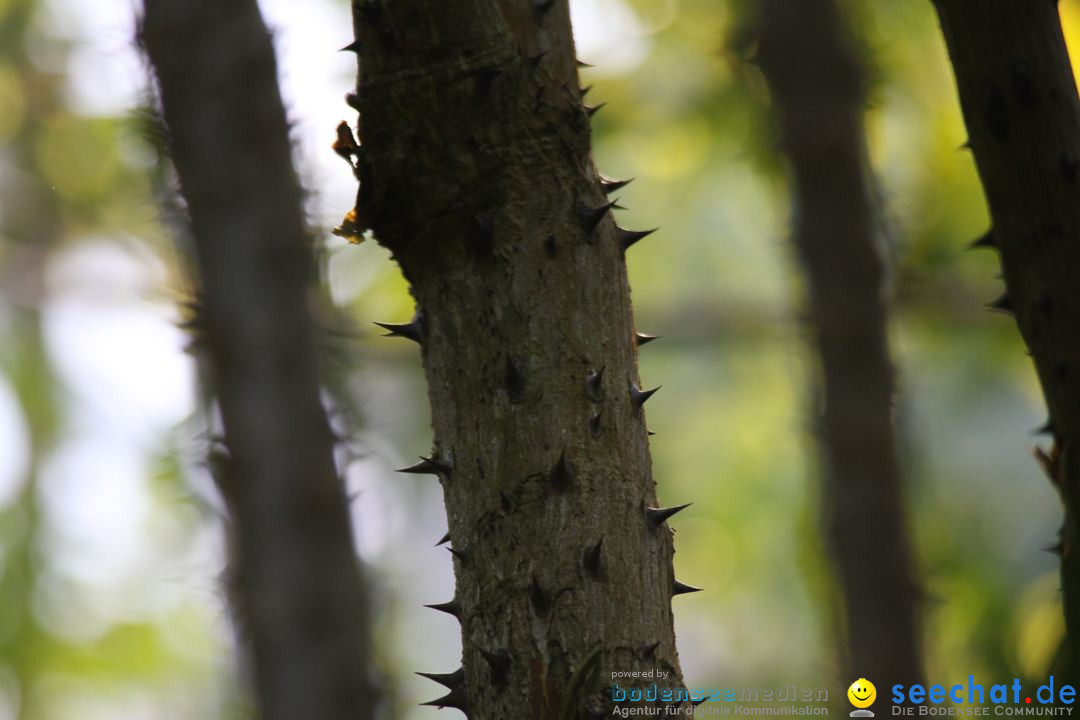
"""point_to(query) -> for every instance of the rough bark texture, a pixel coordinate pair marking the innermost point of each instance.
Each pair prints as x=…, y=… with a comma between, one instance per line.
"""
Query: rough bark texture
x=476, y=172
x=297, y=589
x=1020, y=106
x=817, y=84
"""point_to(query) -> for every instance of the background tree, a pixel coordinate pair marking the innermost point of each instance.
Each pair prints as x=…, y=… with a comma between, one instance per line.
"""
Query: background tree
x=297, y=592
x=818, y=85
x=1021, y=109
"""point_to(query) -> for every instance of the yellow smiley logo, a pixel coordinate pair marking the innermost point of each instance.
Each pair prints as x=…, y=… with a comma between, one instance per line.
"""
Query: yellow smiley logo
x=862, y=693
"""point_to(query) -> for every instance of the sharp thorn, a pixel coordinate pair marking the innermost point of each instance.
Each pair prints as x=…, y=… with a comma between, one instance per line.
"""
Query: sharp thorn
x=459, y=554
x=682, y=588
x=585, y=90
x=428, y=466
x=1055, y=549
x=591, y=110
x=594, y=423
x=590, y=217
x=639, y=396
x=643, y=339
x=542, y=6
x=591, y=559
x=534, y=60
x=450, y=608
x=456, y=699
x=986, y=240
x=562, y=473
x=609, y=185
x=594, y=384
x=499, y=663
x=444, y=539
x=539, y=599
x=1002, y=304
x=649, y=651
x=354, y=46
x=449, y=680
x=658, y=516
x=1047, y=428
x=627, y=238
x=413, y=330
x=650, y=433
x=581, y=64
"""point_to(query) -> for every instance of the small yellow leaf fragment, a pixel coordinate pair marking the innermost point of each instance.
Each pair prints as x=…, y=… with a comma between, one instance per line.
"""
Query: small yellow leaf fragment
x=350, y=228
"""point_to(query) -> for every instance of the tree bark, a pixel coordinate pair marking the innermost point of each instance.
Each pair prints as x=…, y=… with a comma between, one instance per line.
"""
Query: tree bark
x=1022, y=113
x=297, y=591
x=476, y=172
x=810, y=63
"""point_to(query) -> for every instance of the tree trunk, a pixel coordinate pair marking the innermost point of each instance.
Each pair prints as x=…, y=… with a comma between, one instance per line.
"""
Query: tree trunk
x=1022, y=113
x=816, y=80
x=476, y=172
x=297, y=590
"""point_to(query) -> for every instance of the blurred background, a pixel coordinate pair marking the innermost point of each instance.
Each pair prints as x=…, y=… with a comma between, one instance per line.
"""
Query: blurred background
x=111, y=547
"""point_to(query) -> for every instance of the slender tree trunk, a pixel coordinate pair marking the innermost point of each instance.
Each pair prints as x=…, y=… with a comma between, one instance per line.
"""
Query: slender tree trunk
x=808, y=58
x=1022, y=113
x=297, y=590
x=476, y=172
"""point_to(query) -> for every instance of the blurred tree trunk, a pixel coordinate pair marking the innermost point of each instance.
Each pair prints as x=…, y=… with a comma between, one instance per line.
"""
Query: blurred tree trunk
x=476, y=172
x=815, y=77
x=1021, y=109
x=296, y=586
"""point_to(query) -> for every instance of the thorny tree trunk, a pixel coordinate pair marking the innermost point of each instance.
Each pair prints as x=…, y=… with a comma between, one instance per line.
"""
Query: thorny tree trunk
x=476, y=172
x=297, y=591
x=1021, y=109
x=811, y=66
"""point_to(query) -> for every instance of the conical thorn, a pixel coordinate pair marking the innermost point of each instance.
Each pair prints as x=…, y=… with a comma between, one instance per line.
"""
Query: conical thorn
x=626, y=238
x=610, y=185
x=639, y=396
x=428, y=466
x=643, y=339
x=594, y=423
x=354, y=46
x=658, y=516
x=591, y=110
x=449, y=680
x=459, y=554
x=986, y=240
x=413, y=330
x=590, y=217
x=456, y=699
x=450, y=608
x=444, y=539
x=562, y=473
x=682, y=588
x=499, y=661
x=1003, y=304
x=594, y=384
x=538, y=597
x=591, y=560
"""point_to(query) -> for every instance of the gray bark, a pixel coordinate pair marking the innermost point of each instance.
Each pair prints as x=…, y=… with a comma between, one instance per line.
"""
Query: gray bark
x=296, y=586
x=476, y=172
